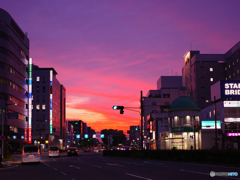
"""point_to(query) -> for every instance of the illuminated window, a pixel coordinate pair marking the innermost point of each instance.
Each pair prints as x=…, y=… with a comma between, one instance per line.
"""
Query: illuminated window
x=233, y=74
x=37, y=78
x=37, y=106
x=226, y=78
x=210, y=69
x=238, y=71
x=225, y=68
x=43, y=106
x=207, y=100
x=237, y=60
x=233, y=63
x=210, y=114
x=229, y=65
x=229, y=76
x=211, y=79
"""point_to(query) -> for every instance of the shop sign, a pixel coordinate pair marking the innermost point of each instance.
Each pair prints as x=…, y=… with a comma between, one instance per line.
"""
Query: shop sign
x=230, y=89
x=182, y=129
x=210, y=124
x=231, y=103
x=233, y=134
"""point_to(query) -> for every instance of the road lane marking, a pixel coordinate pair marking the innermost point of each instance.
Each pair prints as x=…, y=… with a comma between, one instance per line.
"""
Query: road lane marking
x=55, y=169
x=63, y=173
x=75, y=166
x=46, y=164
x=114, y=164
x=136, y=164
x=97, y=166
x=9, y=167
x=208, y=174
x=137, y=176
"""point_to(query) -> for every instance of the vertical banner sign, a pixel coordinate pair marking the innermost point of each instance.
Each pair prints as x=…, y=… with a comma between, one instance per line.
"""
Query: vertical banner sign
x=150, y=126
x=25, y=135
x=30, y=102
x=51, y=98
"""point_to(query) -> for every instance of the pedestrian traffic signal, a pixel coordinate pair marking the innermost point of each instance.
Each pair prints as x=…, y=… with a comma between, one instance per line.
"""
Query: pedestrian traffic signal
x=119, y=107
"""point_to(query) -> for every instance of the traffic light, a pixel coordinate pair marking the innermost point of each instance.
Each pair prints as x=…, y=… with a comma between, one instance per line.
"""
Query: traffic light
x=119, y=107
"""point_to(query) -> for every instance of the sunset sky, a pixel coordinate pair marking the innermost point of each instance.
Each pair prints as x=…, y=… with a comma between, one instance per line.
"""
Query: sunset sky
x=106, y=51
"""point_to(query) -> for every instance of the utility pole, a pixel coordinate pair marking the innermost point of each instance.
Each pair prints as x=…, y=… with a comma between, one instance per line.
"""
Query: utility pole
x=141, y=121
x=215, y=122
x=40, y=134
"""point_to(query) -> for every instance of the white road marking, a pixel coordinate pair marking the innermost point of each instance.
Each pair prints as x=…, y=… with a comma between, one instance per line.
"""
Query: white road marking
x=55, y=169
x=9, y=167
x=97, y=166
x=46, y=164
x=75, y=166
x=114, y=164
x=63, y=173
x=208, y=174
x=137, y=176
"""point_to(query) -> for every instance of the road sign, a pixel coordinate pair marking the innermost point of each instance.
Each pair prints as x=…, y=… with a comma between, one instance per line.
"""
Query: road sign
x=2, y=138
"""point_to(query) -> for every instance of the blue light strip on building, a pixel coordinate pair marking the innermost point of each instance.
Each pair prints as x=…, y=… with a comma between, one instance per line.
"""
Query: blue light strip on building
x=51, y=98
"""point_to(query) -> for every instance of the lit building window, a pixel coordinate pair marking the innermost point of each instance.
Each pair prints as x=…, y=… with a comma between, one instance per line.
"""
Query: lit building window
x=211, y=79
x=238, y=71
x=226, y=78
x=37, y=78
x=237, y=60
x=229, y=76
x=43, y=106
x=229, y=66
x=233, y=63
x=37, y=106
x=233, y=74
x=210, y=114
x=210, y=69
x=207, y=100
x=225, y=68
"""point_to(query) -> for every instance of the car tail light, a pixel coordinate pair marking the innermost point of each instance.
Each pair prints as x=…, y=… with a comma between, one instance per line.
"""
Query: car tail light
x=22, y=152
x=38, y=151
x=58, y=151
x=76, y=150
x=68, y=150
x=49, y=151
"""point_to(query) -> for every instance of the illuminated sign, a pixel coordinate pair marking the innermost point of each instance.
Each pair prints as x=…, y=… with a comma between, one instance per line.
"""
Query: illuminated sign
x=231, y=119
x=14, y=137
x=30, y=102
x=51, y=98
x=150, y=126
x=210, y=124
x=25, y=135
x=230, y=89
x=233, y=134
x=102, y=135
x=22, y=137
x=94, y=135
x=231, y=103
x=85, y=136
x=78, y=136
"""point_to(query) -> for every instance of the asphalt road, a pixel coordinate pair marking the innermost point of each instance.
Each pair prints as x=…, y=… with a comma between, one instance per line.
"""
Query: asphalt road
x=93, y=166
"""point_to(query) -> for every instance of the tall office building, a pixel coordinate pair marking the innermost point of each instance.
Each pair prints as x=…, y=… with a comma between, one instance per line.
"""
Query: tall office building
x=48, y=108
x=14, y=89
x=201, y=71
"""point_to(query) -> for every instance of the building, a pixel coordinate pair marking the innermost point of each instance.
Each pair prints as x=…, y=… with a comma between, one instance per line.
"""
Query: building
x=201, y=71
x=14, y=88
x=134, y=135
x=48, y=110
x=159, y=100
x=184, y=123
x=78, y=131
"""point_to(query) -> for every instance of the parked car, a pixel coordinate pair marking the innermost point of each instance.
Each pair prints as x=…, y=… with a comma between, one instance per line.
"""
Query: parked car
x=96, y=149
x=72, y=151
x=86, y=149
x=30, y=154
x=53, y=152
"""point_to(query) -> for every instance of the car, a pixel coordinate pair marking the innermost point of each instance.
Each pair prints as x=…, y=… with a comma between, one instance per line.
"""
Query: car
x=53, y=152
x=86, y=149
x=30, y=154
x=96, y=149
x=114, y=148
x=72, y=151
